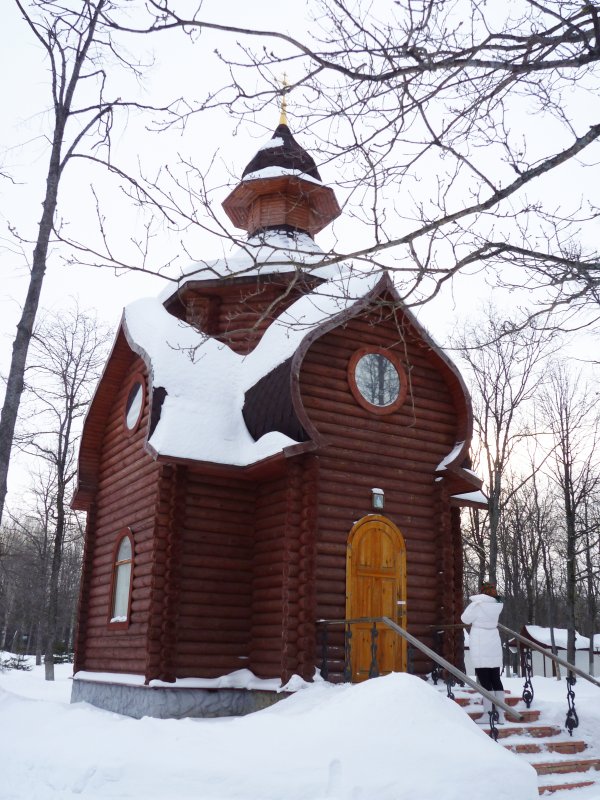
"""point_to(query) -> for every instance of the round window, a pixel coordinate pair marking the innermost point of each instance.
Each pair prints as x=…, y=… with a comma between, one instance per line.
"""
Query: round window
x=377, y=380
x=135, y=403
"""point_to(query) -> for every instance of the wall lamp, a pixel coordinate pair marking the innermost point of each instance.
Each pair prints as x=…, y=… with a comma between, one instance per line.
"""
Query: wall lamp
x=377, y=499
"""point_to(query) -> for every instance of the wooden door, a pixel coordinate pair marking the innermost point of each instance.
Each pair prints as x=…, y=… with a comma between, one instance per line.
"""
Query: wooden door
x=376, y=587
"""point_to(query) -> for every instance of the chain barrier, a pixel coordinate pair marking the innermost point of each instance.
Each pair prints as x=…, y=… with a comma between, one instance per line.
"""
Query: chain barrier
x=572, y=720
x=527, y=666
x=494, y=717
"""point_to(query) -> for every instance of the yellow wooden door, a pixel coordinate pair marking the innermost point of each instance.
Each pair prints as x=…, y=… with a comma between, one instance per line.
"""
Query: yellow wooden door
x=376, y=587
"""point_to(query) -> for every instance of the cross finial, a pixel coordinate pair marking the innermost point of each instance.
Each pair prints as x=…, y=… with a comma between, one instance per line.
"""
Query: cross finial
x=285, y=86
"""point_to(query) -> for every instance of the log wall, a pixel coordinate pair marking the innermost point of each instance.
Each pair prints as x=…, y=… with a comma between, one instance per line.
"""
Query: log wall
x=283, y=586
x=214, y=604
x=240, y=315
x=274, y=507
x=125, y=497
x=398, y=452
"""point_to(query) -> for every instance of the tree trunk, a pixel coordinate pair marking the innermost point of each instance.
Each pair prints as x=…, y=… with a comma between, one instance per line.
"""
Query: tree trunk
x=571, y=573
x=52, y=615
x=15, y=382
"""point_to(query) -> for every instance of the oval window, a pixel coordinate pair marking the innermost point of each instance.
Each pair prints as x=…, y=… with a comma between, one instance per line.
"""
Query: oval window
x=377, y=380
x=135, y=403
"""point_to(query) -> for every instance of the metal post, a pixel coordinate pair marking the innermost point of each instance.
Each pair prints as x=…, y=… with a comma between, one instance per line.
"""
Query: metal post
x=374, y=668
x=325, y=653
x=347, y=654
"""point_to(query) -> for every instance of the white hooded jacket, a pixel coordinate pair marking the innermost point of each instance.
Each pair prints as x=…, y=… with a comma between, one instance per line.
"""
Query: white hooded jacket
x=484, y=640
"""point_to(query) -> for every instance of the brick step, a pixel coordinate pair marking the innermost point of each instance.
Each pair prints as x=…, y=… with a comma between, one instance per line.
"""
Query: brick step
x=512, y=701
x=561, y=787
x=466, y=701
x=463, y=701
x=537, y=731
x=528, y=715
x=566, y=748
x=572, y=765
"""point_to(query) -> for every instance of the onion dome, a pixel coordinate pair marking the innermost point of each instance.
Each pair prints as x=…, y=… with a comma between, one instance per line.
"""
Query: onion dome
x=282, y=150
x=281, y=189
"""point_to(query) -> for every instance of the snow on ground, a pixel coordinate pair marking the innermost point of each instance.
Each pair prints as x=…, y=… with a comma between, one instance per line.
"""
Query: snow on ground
x=391, y=738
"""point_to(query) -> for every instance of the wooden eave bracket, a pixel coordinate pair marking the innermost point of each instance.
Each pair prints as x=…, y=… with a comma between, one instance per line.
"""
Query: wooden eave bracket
x=83, y=497
x=461, y=481
x=458, y=502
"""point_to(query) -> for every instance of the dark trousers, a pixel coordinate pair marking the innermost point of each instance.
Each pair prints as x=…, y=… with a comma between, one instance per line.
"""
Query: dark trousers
x=489, y=678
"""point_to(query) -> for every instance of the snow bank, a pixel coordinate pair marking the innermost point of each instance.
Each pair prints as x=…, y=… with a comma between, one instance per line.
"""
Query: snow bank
x=393, y=738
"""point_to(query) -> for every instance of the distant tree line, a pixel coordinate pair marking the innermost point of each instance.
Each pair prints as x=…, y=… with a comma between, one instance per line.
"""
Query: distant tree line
x=537, y=424
x=25, y=546
x=41, y=542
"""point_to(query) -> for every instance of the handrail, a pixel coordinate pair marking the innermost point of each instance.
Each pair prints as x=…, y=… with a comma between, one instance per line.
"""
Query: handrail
x=549, y=654
x=434, y=656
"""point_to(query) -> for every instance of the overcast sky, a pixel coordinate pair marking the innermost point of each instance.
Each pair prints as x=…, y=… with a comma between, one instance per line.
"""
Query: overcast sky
x=179, y=69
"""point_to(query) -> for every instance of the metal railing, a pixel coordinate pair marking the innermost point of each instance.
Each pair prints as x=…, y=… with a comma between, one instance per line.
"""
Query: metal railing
x=412, y=641
x=572, y=720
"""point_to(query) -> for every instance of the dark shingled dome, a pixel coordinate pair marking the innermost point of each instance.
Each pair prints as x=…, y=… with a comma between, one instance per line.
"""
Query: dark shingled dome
x=289, y=155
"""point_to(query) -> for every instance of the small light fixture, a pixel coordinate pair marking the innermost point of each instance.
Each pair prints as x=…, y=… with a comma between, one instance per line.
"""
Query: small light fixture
x=378, y=499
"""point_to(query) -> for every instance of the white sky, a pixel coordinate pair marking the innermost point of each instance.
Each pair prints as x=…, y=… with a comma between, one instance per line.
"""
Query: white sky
x=179, y=69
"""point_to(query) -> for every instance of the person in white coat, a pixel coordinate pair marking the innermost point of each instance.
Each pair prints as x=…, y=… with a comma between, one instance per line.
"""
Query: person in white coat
x=484, y=643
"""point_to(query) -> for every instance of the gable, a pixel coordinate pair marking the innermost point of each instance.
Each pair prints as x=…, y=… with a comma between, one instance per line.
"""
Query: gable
x=119, y=362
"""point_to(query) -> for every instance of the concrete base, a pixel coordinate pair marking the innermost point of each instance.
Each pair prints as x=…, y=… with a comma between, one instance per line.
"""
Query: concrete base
x=165, y=703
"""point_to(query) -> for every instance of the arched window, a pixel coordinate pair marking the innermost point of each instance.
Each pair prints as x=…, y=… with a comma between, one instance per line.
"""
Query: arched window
x=121, y=579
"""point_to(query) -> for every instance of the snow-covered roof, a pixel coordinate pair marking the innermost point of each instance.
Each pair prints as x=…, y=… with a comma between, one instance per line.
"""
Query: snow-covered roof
x=452, y=455
x=472, y=497
x=267, y=252
x=205, y=380
x=277, y=141
x=542, y=635
x=278, y=172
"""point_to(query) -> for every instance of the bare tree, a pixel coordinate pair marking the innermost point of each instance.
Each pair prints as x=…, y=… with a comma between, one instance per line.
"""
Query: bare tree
x=458, y=127
x=79, y=48
x=68, y=353
x=506, y=371
x=589, y=566
x=571, y=414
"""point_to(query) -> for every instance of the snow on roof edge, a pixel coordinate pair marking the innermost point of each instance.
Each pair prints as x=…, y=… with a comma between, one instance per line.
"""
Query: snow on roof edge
x=194, y=369
x=473, y=497
x=278, y=172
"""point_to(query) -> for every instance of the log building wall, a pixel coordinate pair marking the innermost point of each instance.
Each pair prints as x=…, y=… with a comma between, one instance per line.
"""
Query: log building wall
x=215, y=584
x=397, y=452
x=126, y=498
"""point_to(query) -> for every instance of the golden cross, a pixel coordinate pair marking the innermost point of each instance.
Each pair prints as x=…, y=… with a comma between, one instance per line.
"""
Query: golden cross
x=283, y=115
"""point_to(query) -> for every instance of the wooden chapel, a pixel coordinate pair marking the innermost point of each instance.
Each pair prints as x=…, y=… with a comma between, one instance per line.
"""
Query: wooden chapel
x=274, y=443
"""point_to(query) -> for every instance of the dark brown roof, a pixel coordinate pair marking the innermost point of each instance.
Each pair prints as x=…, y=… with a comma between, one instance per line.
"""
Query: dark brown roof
x=268, y=406
x=289, y=155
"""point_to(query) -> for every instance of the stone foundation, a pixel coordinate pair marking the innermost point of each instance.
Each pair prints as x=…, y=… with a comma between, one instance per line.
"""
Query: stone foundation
x=175, y=703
